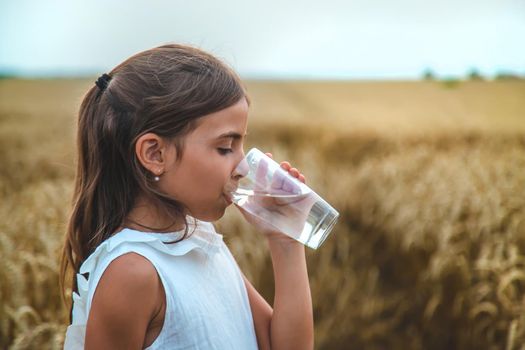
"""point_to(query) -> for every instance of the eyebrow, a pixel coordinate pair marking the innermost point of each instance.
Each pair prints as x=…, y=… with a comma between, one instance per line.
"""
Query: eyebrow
x=231, y=134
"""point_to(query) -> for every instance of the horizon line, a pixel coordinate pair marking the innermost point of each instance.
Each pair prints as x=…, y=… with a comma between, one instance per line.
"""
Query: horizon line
x=426, y=74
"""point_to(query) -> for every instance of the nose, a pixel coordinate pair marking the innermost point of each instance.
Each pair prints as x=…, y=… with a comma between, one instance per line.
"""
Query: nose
x=241, y=169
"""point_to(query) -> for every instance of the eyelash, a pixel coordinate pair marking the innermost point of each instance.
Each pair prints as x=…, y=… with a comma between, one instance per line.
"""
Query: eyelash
x=225, y=151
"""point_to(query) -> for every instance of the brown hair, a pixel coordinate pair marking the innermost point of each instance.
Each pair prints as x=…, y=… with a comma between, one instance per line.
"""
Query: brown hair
x=164, y=90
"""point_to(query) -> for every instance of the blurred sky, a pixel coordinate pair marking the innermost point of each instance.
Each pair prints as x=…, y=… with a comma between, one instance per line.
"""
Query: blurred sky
x=329, y=39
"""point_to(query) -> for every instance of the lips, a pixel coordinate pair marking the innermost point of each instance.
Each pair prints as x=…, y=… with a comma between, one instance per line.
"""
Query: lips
x=228, y=199
x=228, y=189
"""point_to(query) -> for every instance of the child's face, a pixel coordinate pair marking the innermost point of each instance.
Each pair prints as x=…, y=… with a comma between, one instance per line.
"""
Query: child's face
x=206, y=169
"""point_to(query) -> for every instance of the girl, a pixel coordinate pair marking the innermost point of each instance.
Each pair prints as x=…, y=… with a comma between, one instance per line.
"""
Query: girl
x=159, y=138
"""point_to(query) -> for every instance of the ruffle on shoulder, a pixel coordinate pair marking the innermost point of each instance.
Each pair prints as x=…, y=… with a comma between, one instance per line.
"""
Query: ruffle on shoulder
x=201, y=235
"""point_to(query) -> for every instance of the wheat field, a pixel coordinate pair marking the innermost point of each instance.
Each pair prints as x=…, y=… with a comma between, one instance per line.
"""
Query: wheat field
x=429, y=251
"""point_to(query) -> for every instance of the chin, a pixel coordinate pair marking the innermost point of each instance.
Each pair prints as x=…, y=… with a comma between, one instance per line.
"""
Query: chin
x=210, y=217
x=220, y=214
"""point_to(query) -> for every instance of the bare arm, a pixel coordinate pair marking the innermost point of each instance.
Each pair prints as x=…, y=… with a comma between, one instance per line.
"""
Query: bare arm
x=289, y=325
x=292, y=321
x=126, y=299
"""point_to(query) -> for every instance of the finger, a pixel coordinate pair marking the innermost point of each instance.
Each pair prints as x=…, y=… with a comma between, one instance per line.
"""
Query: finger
x=260, y=175
x=269, y=155
x=289, y=185
x=277, y=180
x=285, y=165
x=302, y=178
x=294, y=172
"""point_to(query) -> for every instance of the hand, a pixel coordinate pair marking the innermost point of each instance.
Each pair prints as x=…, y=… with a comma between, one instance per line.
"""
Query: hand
x=291, y=208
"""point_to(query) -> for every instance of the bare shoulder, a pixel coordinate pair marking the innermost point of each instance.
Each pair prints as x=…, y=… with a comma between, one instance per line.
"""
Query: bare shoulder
x=127, y=297
x=131, y=267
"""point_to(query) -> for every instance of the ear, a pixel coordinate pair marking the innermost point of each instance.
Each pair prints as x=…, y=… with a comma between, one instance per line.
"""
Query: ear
x=152, y=152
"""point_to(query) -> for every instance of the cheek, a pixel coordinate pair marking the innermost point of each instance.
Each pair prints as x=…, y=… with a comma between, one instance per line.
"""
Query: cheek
x=206, y=180
x=218, y=173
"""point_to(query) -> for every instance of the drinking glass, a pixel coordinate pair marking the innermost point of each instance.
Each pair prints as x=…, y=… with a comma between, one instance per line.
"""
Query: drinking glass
x=278, y=201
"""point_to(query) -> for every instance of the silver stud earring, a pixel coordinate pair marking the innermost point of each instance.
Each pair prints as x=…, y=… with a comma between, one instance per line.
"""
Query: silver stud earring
x=156, y=178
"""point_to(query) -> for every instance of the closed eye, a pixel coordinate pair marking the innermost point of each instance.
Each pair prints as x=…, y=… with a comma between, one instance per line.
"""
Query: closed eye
x=225, y=151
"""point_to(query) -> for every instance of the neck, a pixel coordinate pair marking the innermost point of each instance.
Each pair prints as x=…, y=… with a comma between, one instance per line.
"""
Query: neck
x=146, y=216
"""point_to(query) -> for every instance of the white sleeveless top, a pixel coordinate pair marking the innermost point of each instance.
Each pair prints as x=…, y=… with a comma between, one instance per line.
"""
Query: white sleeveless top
x=207, y=305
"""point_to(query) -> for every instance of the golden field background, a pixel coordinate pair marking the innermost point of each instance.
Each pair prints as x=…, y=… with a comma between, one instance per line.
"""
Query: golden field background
x=429, y=251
